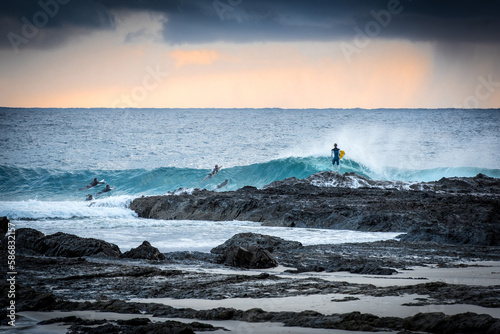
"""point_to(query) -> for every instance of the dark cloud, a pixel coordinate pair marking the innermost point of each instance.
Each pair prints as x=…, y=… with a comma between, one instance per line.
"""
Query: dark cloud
x=50, y=23
x=191, y=21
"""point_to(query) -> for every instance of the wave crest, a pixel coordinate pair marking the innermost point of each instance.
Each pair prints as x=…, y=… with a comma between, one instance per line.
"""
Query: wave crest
x=56, y=185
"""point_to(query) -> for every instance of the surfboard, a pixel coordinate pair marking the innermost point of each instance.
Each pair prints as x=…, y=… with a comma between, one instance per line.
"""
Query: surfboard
x=341, y=154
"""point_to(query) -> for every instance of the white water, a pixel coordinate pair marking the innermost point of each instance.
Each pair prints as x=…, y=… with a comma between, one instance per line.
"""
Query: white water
x=189, y=235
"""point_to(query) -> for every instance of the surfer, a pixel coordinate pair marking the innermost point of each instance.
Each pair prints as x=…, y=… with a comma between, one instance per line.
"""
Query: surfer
x=223, y=184
x=335, y=157
x=213, y=172
x=94, y=183
x=89, y=197
x=105, y=190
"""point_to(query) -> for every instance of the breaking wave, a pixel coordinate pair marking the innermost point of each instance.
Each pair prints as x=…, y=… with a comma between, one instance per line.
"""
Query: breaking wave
x=57, y=185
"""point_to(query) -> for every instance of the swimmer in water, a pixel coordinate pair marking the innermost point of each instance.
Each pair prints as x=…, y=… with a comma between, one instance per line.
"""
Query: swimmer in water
x=94, y=183
x=105, y=190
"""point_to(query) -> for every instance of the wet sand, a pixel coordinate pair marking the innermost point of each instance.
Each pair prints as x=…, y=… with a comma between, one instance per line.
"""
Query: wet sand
x=479, y=273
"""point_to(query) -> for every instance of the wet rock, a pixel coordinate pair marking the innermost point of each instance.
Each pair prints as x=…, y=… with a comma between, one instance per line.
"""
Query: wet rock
x=27, y=237
x=69, y=245
x=190, y=257
x=252, y=258
x=4, y=226
x=248, y=240
x=479, y=184
x=304, y=269
x=72, y=319
x=25, y=240
x=371, y=269
x=32, y=300
x=130, y=326
x=449, y=293
x=459, y=323
x=468, y=208
x=252, y=250
x=144, y=251
x=488, y=235
x=421, y=323
x=48, y=283
x=355, y=265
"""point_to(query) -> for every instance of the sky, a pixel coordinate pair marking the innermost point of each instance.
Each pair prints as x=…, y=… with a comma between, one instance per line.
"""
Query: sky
x=250, y=53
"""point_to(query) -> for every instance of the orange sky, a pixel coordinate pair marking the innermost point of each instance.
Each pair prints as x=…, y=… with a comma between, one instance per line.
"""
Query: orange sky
x=100, y=70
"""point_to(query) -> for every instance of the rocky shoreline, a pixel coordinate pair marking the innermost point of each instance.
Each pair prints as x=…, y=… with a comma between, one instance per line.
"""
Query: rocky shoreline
x=451, y=210
x=110, y=282
x=458, y=230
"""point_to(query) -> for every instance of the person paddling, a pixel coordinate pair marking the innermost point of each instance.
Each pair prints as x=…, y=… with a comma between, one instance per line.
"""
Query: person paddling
x=214, y=171
x=105, y=190
x=94, y=183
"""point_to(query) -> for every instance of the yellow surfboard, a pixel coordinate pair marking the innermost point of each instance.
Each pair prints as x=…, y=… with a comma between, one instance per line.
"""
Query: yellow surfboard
x=341, y=154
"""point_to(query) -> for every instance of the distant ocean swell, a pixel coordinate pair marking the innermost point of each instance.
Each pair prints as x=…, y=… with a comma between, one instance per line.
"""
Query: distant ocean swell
x=61, y=185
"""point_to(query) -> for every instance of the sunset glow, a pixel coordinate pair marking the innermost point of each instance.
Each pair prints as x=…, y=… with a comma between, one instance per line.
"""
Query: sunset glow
x=115, y=67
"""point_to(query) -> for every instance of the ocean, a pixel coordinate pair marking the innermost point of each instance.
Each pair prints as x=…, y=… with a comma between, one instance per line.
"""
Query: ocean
x=47, y=155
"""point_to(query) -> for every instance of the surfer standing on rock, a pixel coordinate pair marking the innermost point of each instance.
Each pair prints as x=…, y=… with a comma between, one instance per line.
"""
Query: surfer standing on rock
x=335, y=157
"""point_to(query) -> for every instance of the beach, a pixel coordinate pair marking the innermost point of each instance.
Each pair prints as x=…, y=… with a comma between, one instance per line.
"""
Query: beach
x=472, y=274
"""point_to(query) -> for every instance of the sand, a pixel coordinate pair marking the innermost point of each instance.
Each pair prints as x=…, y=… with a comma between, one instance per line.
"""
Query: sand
x=484, y=273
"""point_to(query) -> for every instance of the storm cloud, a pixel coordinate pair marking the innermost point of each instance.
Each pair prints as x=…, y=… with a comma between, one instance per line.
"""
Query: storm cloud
x=51, y=23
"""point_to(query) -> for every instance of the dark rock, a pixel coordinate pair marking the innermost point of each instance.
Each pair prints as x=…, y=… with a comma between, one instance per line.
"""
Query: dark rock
x=4, y=226
x=252, y=250
x=69, y=245
x=339, y=263
x=144, y=251
x=230, y=253
x=104, y=329
x=468, y=208
x=460, y=323
x=345, y=299
x=252, y=258
x=71, y=320
x=71, y=279
x=130, y=326
x=488, y=235
x=25, y=240
x=187, y=256
x=478, y=184
x=248, y=240
x=372, y=269
x=421, y=323
x=134, y=322
x=32, y=300
x=305, y=269
x=223, y=184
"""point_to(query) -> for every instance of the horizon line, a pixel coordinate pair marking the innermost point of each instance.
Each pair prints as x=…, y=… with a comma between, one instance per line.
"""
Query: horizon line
x=245, y=108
